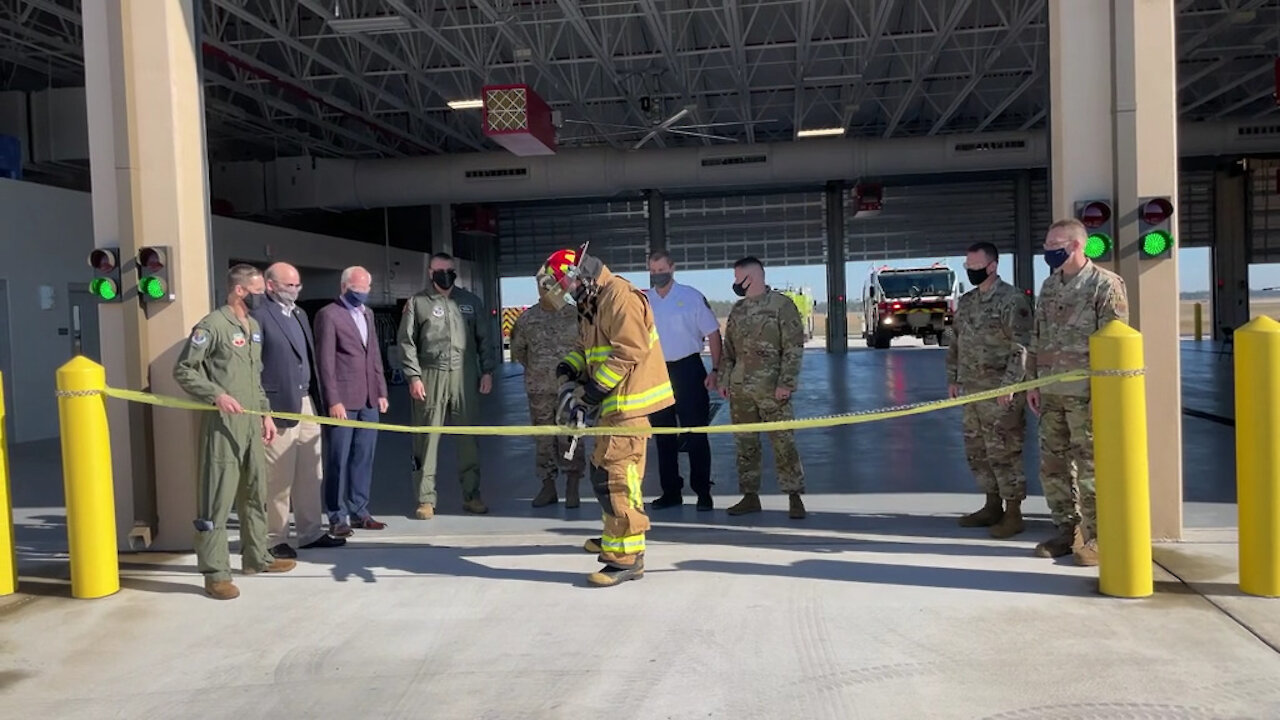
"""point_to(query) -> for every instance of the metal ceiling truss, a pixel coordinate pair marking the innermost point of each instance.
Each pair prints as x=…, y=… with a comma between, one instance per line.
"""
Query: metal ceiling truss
x=755, y=70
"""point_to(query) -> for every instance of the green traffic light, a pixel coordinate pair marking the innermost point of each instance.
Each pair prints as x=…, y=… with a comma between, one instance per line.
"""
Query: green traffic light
x=104, y=288
x=1096, y=246
x=1156, y=242
x=152, y=288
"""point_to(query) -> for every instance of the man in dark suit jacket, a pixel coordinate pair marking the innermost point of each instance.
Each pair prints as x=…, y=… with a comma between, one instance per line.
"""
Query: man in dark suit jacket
x=351, y=377
x=291, y=382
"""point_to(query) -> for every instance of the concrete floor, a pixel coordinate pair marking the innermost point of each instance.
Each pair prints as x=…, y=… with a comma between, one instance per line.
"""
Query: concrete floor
x=876, y=606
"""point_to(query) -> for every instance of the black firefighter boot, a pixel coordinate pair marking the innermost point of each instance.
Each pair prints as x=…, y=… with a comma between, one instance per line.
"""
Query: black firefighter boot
x=547, y=495
x=989, y=515
x=611, y=575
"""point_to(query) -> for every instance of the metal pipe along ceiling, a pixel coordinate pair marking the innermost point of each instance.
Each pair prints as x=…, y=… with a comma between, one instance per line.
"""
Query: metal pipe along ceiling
x=604, y=172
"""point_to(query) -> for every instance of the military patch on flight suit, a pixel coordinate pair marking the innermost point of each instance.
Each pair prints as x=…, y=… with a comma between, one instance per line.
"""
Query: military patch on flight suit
x=238, y=339
x=199, y=337
x=257, y=338
x=437, y=311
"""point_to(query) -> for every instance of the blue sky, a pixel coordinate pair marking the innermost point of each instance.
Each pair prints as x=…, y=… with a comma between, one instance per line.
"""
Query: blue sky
x=1193, y=271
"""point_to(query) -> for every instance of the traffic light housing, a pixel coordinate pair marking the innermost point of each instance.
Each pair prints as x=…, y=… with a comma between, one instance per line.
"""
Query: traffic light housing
x=153, y=275
x=105, y=285
x=1155, y=228
x=1095, y=215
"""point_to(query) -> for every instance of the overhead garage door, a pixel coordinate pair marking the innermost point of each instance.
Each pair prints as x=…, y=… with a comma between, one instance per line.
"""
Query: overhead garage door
x=618, y=232
x=780, y=229
x=1264, y=211
x=917, y=221
x=934, y=220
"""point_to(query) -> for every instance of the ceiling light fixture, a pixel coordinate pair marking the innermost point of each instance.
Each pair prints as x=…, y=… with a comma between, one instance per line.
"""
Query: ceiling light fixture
x=369, y=25
x=820, y=132
x=466, y=104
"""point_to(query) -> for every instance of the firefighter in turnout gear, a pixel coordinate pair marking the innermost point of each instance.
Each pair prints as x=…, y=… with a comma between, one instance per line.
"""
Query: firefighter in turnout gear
x=614, y=377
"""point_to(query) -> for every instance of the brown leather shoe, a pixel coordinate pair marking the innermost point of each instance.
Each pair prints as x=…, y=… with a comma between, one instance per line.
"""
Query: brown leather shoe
x=221, y=589
x=279, y=565
x=368, y=524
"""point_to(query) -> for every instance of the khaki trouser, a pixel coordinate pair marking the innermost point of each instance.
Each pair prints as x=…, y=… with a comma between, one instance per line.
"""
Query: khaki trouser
x=233, y=471
x=616, y=473
x=451, y=395
x=294, y=464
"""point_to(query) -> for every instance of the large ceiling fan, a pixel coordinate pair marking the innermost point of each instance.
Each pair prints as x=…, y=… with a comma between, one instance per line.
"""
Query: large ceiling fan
x=666, y=126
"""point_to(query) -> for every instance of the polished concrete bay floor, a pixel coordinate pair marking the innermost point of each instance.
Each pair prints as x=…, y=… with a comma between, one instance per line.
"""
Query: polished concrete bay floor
x=875, y=606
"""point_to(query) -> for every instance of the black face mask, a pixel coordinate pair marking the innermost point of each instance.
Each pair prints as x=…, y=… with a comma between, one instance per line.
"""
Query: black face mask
x=740, y=289
x=443, y=279
x=659, y=280
x=253, y=301
x=977, y=277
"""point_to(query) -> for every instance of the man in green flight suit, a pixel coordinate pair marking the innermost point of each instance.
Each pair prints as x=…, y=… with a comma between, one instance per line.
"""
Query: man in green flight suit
x=221, y=364
x=446, y=346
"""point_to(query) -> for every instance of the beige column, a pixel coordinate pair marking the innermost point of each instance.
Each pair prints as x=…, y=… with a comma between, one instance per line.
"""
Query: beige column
x=147, y=156
x=1146, y=164
x=1113, y=120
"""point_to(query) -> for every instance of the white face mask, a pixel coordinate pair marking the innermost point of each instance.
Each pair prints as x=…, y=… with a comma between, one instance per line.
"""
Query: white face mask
x=287, y=296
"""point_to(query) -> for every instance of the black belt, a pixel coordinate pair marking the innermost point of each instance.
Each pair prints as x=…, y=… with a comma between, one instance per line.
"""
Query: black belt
x=686, y=357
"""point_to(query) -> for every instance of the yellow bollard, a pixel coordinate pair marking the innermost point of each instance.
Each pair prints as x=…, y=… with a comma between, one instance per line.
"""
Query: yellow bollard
x=86, y=473
x=1199, y=322
x=1257, y=358
x=1119, y=410
x=8, y=548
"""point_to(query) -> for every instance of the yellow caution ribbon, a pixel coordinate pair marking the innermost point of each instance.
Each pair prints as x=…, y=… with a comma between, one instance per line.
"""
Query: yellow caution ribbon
x=796, y=424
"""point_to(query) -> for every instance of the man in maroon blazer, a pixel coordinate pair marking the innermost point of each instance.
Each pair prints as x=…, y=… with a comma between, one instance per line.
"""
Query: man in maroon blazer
x=351, y=378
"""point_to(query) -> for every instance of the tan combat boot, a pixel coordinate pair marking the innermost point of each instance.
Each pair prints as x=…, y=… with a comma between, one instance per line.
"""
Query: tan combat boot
x=475, y=505
x=1011, y=523
x=1087, y=553
x=426, y=511
x=797, y=507
x=989, y=515
x=593, y=546
x=221, y=589
x=278, y=565
x=1064, y=543
x=546, y=496
x=750, y=503
x=571, y=498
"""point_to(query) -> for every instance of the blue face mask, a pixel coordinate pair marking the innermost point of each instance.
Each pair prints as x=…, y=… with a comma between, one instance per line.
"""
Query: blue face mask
x=356, y=298
x=1055, y=258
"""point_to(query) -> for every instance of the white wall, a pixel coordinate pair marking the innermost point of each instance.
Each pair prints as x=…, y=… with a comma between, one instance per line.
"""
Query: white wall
x=46, y=234
x=263, y=244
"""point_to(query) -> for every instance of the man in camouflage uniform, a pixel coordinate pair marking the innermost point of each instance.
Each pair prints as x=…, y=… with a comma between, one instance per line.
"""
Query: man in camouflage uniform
x=540, y=337
x=1077, y=300
x=759, y=369
x=992, y=330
